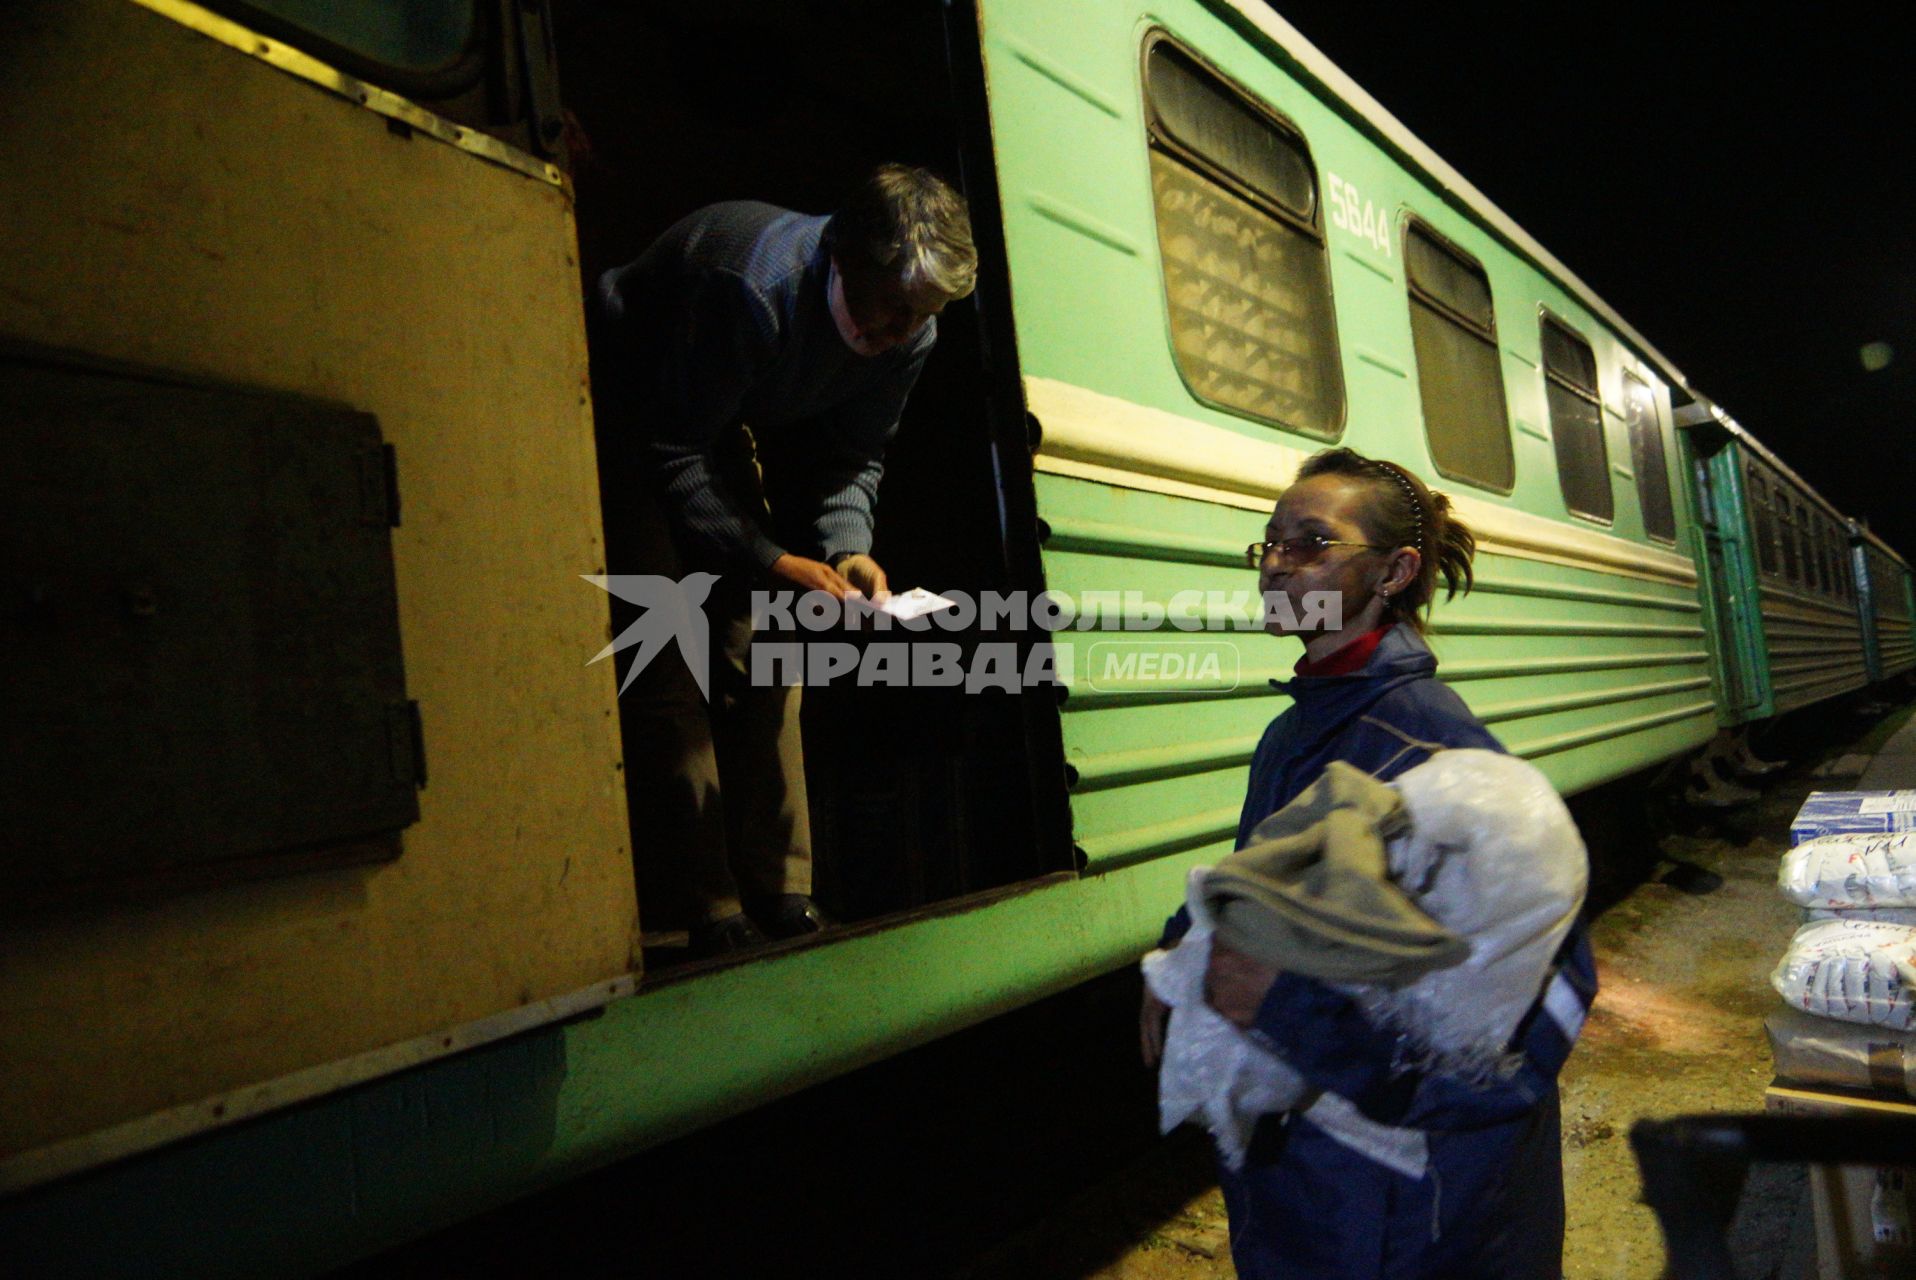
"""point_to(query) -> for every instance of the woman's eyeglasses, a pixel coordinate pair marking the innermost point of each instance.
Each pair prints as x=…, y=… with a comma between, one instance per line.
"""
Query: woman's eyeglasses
x=1300, y=551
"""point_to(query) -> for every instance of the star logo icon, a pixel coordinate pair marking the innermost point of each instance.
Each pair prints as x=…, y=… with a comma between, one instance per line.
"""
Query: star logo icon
x=671, y=610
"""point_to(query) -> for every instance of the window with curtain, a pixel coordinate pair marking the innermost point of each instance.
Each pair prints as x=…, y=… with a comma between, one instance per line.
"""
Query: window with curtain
x=1646, y=458
x=1453, y=330
x=1240, y=236
x=1576, y=421
x=1762, y=520
x=1786, y=522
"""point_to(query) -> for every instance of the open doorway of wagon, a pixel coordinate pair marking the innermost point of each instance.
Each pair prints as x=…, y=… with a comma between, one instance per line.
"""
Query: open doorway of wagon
x=1736, y=536
x=918, y=796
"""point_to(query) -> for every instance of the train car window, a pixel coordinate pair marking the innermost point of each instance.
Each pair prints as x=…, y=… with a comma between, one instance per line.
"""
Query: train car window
x=1246, y=270
x=1886, y=586
x=422, y=47
x=1576, y=421
x=1763, y=517
x=1786, y=526
x=1646, y=458
x=1813, y=548
x=1894, y=593
x=1453, y=329
x=1813, y=551
x=1201, y=113
x=1805, y=547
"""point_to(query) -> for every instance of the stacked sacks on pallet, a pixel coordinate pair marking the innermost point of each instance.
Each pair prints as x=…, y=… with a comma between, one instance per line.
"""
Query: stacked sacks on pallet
x=1849, y=973
x=1855, y=959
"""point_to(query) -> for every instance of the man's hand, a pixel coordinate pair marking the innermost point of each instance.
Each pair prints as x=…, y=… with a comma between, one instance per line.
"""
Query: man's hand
x=1235, y=984
x=814, y=575
x=863, y=572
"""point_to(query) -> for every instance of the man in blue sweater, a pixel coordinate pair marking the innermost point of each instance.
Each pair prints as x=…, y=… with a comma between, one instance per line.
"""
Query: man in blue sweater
x=757, y=361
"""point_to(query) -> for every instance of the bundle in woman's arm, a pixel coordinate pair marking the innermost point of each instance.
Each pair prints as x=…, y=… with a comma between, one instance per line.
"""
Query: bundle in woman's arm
x=1436, y=905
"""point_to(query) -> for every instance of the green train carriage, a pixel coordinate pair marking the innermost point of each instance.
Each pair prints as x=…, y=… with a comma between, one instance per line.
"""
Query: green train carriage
x=363, y=1044
x=1883, y=581
x=1789, y=600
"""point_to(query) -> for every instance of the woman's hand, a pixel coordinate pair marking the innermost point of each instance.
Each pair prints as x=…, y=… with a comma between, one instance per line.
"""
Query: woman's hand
x=1235, y=984
x=1151, y=1020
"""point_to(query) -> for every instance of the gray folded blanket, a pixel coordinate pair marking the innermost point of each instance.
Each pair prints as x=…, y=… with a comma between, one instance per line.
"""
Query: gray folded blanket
x=1312, y=893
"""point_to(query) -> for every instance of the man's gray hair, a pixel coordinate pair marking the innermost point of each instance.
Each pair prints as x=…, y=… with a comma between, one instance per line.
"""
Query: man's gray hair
x=910, y=222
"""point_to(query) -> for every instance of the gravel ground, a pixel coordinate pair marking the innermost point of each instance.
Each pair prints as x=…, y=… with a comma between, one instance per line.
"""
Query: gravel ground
x=1690, y=927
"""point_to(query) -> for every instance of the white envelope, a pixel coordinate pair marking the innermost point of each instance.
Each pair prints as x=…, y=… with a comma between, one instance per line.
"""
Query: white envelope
x=916, y=603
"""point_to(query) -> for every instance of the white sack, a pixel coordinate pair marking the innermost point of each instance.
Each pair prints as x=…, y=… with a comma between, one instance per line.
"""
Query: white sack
x=1851, y=869
x=1493, y=855
x=1852, y=970
x=1211, y=1067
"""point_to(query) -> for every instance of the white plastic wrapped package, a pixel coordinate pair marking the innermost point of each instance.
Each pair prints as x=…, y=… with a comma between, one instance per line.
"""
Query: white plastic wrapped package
x=1494, y=856
x=1210, y=1067
x=1852, y=970
x=1808, y=1050
x=1852, y=869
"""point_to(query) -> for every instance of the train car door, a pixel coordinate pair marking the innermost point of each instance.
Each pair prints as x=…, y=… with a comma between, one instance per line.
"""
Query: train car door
x=1865, y=601
x=1729, y=567
x=919, y=795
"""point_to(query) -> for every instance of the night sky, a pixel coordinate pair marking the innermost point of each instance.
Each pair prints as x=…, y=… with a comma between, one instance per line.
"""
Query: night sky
x=1736, y=187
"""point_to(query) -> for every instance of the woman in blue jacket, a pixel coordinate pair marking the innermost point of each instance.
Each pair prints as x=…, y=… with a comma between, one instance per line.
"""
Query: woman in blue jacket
x=1307, y=1204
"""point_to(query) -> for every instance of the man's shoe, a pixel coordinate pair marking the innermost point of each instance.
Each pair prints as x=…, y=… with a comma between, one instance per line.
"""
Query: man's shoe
x=790, y=915
x=725, y=936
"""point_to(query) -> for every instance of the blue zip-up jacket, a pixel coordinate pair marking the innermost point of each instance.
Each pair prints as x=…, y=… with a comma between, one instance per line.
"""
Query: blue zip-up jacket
x=1305, y=1205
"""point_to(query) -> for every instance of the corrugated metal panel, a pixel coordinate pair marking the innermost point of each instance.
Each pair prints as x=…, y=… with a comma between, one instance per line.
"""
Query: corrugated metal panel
x=1588, y=673
x=1158, y=753
x=1898, y=646
x=1814, y=649
x=1889, y=600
